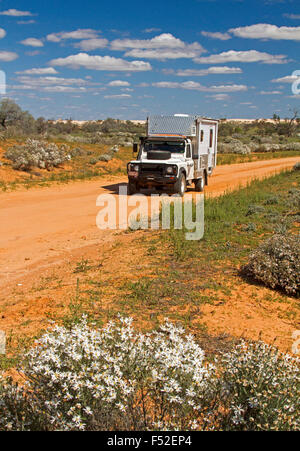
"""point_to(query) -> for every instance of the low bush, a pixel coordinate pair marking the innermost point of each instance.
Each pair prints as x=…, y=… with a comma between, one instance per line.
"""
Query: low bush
x=82, y=378
x=40, y=154
x=259, y=389
x=276, y=263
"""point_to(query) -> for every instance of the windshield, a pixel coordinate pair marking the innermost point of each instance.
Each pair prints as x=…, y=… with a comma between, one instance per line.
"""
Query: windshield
x=170, y=146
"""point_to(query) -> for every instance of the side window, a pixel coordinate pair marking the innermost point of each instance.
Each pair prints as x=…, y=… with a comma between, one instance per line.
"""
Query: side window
x=188, y=151
x=202, y=136
x=211, y=135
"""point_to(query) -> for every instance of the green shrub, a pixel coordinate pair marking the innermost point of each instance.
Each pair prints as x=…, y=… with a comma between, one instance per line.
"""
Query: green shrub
x=259, y=389
x=276, y=263
x=106, y=157
x=254, y=209
x=40, y=154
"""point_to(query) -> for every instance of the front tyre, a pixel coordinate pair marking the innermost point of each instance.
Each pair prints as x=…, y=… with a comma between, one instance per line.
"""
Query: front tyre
x=199, y=185
x=132, y=188
x=180, y=185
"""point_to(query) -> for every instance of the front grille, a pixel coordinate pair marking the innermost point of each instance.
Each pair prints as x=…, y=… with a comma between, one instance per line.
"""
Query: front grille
x=152, y=169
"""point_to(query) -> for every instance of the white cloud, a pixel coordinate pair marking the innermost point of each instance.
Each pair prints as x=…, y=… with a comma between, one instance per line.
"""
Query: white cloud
x=8, y=56
x=85, y=33
x=249, y=56
x=118, y=96
x=59, y=88
x=209, y=71
x=165, y=40
x=216, y=35
x=162, y=54
x=96, y=62
x=192, y=85
x=45, y=81
x=2, y=33
x=15, y=13
x=219, y=97
x=92, y=44
x=152, y=30
x=39, y=71
x=164, y=46
x=267, y=31
x=266, y=93
x=51, y=84
x=118, y=83
x=25, y=22
x=33, y=53
x=287, y=79
x=32, y=42
x=292, y=16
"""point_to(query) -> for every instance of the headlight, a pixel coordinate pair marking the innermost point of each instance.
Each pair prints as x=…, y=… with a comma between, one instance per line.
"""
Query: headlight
x=171, y=170
x=134, y=167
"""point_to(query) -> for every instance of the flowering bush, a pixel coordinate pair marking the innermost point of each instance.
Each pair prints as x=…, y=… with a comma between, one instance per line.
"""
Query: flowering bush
x=38, y=154
x=276, y=263
x=118, y=379
x=259, y=389
x=115, y=378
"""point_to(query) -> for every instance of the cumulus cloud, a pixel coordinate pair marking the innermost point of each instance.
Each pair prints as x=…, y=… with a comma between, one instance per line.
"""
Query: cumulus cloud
x=219, y=97
x=96, y=62
x=52, y=84
x=92, y=44
x=32, y=42
x=85, y=33
x=216, y=35
x=209, y=71
x=287, y=79
x=59, y=88
x=165, y=40
x=8, y=56
x=2, y=33
x=117, y=83
x=25, y=22
x=39, y=71
x=164, y=46
x=118, y=96
x=192, y=85
x=266, y=93
x=15, y=13
x=267, y=31
x=292, y=16
x=152, y=30
x=162, y=54
x=248, y=56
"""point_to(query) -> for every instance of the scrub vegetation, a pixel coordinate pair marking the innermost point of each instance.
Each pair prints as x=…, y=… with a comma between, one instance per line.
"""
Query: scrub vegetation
x=39, y=151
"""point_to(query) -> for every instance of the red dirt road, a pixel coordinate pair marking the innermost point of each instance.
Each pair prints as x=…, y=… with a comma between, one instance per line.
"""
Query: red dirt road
x=38, y=227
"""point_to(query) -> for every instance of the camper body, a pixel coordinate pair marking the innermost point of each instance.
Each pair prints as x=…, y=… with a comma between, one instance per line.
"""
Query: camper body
x=177, y=152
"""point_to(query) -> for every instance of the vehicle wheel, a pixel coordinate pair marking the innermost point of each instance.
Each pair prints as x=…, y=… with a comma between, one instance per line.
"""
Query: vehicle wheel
x=132, y=188
x=180, y=185
x=199, y=185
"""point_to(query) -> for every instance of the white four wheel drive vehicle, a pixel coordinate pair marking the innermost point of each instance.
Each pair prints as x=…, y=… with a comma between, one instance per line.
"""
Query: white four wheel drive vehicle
x=178, y=150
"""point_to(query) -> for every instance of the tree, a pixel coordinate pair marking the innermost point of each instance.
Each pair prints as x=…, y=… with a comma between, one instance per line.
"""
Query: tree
x=10, y=112
x=293, y=121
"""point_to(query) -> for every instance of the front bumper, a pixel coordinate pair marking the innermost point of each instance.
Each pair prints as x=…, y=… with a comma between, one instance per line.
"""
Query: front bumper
x=152, y=179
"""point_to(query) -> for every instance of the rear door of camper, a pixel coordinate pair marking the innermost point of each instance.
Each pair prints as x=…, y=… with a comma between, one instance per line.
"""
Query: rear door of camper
x=208, y=143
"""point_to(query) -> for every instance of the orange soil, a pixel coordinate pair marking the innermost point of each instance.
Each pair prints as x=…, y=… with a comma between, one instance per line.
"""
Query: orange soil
x=45, y=232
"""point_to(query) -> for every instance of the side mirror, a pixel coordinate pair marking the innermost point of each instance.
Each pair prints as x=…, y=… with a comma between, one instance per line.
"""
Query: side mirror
x=135, y=148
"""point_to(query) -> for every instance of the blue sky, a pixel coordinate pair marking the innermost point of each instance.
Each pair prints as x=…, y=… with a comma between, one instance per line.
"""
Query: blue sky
x=92, y=60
